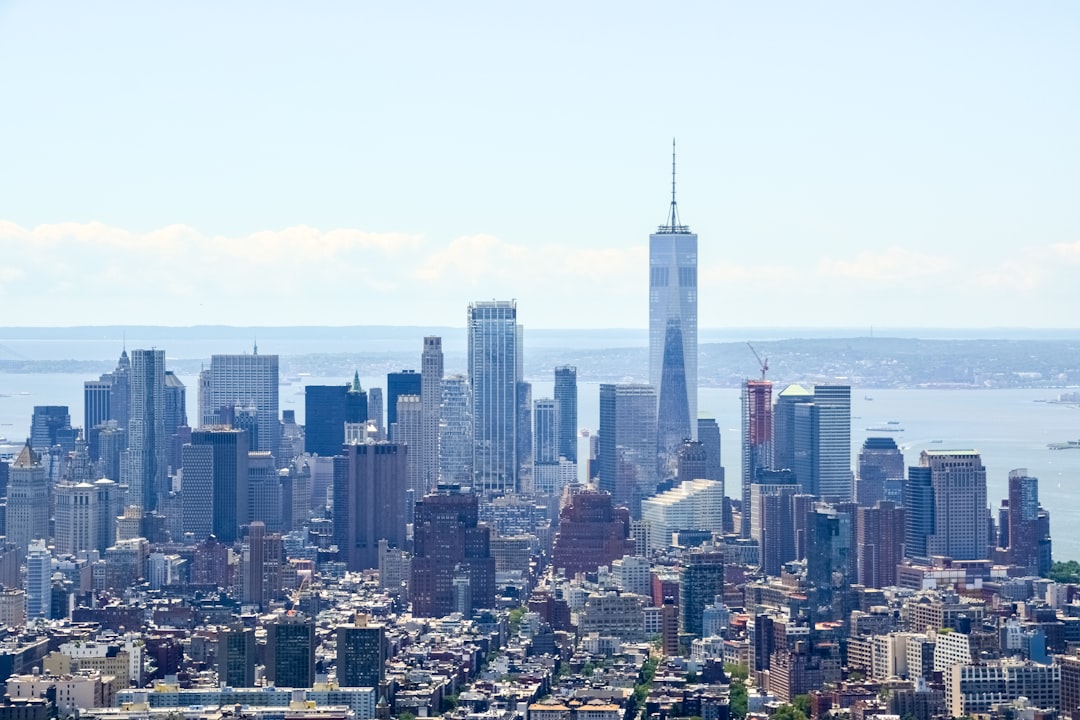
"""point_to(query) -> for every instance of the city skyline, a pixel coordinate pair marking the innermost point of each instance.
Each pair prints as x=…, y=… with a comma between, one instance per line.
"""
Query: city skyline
x=937, y=165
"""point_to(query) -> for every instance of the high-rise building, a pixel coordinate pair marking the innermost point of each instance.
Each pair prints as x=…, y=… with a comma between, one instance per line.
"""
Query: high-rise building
x=823, y=443
x=523, y=442
x=431, y=374
x=881, y=472
x=27, y=516
x=756, y=440
x=361, y=653
x=38, y=580
x=696, y=504
x=247, y=381
x=919, y=520
x=591, y=533
x=77, y=518
x=709, y=437
x=627, y=440
x=51, y=425
x=226, y=503
x=408, y=430
x=264, y=500
x=147, y=444
x=326, y=410
x=673, y=413
x=404, y=382
x=773, y=519
x=450, y=545
x=236, y=656
x=96, y=405
x=120, y=397
x=262, y=556
x=1028, y=524
x=673, y=298
x=455, y=431
x=700, y=581
x=784, y=425
x=566, y=399
x=290, y=651
x=375, y=410
x=370, y=483
x=494, y=372
x=959, y=512
x=546, y=431
x=880, y=542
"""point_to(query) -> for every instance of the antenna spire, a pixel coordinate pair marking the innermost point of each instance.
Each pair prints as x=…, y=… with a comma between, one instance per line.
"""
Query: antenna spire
x=673, y=225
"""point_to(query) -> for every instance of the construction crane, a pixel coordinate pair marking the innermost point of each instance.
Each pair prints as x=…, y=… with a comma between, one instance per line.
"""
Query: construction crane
x=764, y=363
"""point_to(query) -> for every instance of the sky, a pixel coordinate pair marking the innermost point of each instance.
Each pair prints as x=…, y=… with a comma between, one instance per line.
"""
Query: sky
x=845, y=164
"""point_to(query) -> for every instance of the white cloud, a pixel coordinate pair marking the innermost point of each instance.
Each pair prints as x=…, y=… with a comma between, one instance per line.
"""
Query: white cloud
x=893, y=265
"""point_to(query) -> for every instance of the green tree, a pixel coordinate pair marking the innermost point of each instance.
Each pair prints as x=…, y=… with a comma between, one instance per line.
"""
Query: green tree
x=788, y=712
x=406, y=716
x=1065, y=572
x=737, y=700
x=802, y=704
x=737, y=671
x=514, y=619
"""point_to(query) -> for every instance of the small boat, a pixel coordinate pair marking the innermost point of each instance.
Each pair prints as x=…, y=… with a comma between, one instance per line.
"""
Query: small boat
x=1067, y=445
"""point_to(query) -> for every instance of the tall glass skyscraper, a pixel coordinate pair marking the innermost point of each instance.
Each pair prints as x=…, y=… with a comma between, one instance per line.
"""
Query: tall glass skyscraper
x=566, y=399
x=494, y=372
x=673, y=299
x=147, y=449
x=246, y=381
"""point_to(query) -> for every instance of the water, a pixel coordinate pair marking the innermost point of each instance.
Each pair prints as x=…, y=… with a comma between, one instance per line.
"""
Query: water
x=1011, y=428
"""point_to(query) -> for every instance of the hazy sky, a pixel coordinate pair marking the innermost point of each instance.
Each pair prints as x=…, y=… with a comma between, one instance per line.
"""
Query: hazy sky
x=845, y=164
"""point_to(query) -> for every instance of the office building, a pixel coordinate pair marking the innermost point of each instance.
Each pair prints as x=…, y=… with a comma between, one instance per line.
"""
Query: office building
x=627, y=443
x=455, y=431
x=690, y=505
x=290, y=651
x=880, y=542
x=262, y=559
x=673, y=299
x=592, y=532
x=701, y=580
x=784, y=425
x=1028, y=525
x=236, y=656
x=830, y=550
x=673, y=413
x=38, y=585
x=546, y=432
x=327, y=408
x=958, y=481
x=566, y=407
x=756, y=440
x=880, y=473
x=495, y=366
x=246, y=381
x=403, y=382
x=27, y=515
x=369, y=486
x=524, y=432
x=51, y=425
x=973, y=689
x=265, y=499
x=823, y=444
x=215, y=483
x=375, y=411
x=919, y=523
x=773, y=519
x=361, y=653
x=449, y=545
x=147, y=444
x=96, y=402
x=77, y=518
x=431, y=374
x=709, y=437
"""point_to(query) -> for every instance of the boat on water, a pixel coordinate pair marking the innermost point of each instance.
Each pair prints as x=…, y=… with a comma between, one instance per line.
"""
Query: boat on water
x=1067, y=445
x=885, y=428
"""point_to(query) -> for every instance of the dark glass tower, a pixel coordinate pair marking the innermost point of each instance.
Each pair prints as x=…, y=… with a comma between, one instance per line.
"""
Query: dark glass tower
x=326, y=410
x=229, y=462
x=290, y=651
x=370, y=482
x=919, y=519
x=566, y=408
x=361, y=654
x=405, y=382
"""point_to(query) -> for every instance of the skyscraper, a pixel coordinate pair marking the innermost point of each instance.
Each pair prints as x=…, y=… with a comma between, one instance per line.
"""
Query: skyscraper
x=361, y=653
x=566, y=399
x=224, y=501
x=1026, y=520
x=673, y=414
x=450, y=547
x=756, y=440
x=370, y=481
x=494, y=372
x=700, y=582
x=880, y=542
x=147, y=445
x=954, y=505
x=431, y=373
x=27, y=516
x=455, y=431
x=244, y=381
x=709, y=437
x=236, y=656
x=784, y=425
x=881, y=472
x=326, y=410
x=96, y=407
x=290, y=651
x=823, y=444
x=404, y=382
x=77, y=518
x=673, y=297
x=50, y=425
x=627, y=454
x=408, y=430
